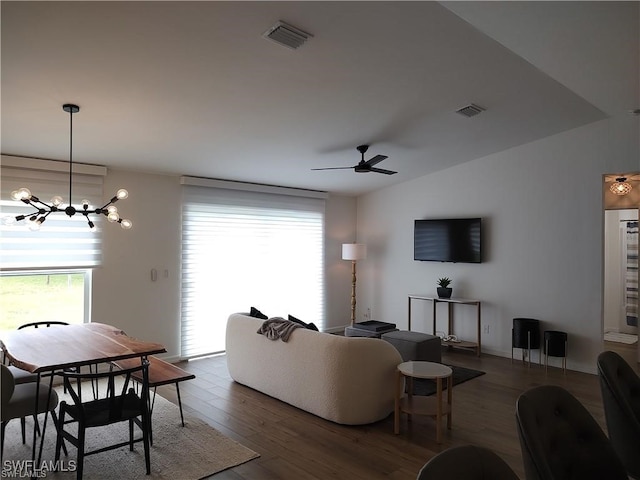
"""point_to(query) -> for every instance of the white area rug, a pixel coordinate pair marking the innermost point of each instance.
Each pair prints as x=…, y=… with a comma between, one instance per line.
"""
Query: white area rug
x=621, y=338
x=193, y=452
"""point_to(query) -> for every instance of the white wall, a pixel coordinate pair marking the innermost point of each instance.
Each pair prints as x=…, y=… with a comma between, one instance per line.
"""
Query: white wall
x=123, y=293
x=543, y=230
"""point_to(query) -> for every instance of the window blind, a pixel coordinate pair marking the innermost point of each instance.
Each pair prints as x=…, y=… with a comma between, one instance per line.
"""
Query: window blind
x=62, y=242
x=246, y=248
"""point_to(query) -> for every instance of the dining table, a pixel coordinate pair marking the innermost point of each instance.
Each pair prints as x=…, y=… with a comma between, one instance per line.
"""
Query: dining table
x=61, y=347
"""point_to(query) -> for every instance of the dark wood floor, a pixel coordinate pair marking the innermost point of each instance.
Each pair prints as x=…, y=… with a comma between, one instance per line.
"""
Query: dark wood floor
x=294, y=444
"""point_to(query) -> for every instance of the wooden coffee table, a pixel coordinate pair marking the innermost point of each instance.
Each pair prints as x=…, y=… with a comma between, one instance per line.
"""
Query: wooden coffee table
x=423, y=405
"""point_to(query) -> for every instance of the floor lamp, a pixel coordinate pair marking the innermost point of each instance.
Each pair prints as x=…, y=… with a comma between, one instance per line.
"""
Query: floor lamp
x=353, y=252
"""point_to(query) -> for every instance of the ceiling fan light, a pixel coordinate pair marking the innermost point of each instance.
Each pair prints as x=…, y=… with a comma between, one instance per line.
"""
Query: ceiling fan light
x=620, y=186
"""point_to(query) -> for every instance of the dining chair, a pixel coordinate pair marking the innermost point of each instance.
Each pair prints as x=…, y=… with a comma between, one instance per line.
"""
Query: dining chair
x=18, y=401
x=560, y=440
x=120, y=404
x=620, y=386
x=470, y=462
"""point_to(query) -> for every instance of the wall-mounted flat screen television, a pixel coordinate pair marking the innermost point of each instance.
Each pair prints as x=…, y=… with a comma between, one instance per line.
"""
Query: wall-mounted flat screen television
x=448, y=240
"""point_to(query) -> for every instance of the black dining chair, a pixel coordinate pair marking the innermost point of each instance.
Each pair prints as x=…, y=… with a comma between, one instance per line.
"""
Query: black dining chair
x=19, y=401
x=560, y=440
x=468, y=462
x=121, y=404
x=620, y=387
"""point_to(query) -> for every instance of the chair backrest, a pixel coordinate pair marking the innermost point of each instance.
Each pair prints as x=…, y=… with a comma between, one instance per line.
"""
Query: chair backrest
x=469, y=462
x=560, y=440
x=620, y=387
x=116, y=396
x=8, y=386
x=41, y=324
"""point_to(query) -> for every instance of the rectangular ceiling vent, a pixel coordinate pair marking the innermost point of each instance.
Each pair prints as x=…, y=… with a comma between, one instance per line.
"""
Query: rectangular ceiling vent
x=290, y=37
x=470, y=110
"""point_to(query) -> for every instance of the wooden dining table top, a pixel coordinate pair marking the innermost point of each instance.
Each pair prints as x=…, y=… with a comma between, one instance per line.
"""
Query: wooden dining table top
x=64, y=346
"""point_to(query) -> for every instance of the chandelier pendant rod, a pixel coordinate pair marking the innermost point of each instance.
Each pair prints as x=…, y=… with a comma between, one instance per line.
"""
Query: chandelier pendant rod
x=70, y=153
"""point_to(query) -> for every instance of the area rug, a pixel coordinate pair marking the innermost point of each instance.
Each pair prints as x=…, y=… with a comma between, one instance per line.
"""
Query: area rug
x=425, y=387
x=625, y=338
x=194, y=451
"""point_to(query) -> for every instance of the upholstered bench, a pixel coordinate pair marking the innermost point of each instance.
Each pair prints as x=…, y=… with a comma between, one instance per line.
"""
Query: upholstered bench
x=415, y=345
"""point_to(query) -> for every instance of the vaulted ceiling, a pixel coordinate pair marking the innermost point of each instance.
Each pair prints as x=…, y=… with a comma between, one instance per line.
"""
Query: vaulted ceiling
x=193, y=88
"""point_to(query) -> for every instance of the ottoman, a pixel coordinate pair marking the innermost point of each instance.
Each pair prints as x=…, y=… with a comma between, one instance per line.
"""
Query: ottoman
x=361, y=332
x=415, y=345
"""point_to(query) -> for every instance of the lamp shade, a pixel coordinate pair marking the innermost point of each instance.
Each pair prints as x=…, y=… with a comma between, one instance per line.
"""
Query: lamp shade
x=354, y=251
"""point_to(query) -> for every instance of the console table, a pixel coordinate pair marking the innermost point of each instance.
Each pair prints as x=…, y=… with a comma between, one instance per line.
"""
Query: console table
x=451, y=302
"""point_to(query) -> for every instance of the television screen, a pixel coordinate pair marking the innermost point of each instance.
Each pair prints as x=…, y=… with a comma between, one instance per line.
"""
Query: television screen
x=448, y=240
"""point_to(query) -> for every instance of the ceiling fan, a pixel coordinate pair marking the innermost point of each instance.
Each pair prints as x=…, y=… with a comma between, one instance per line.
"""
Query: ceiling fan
x=364, y=166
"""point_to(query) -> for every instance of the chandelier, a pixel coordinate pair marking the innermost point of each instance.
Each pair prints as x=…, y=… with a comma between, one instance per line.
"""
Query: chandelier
x=43, y=210
x=620, y=186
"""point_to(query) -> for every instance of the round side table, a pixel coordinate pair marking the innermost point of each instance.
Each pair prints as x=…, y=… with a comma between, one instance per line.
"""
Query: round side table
x=424, y=405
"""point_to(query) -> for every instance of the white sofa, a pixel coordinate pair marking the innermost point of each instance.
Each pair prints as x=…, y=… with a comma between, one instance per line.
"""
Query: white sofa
x=348, y=380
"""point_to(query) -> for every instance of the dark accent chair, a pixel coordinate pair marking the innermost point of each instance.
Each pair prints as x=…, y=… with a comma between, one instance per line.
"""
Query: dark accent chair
x=19, y=401
x=560, y=440
x=620, y=387
x=121, y=404
x=467, y=462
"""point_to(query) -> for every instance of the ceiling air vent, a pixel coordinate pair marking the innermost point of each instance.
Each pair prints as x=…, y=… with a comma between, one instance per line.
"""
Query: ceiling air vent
x=470, y=110
x=290, y=37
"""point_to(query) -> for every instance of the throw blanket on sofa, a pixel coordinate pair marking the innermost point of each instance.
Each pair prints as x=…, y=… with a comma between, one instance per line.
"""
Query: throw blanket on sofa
x=278, y=328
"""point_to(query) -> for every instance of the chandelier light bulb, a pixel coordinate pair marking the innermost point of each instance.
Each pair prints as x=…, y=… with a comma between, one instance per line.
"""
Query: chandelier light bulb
x=21, y=194
x=122, y=194
x=57, y=200
x=86, y=203
x=112, y=209
x=34, y=226
x=126, y=224
x=8, y=220
x=113, y=217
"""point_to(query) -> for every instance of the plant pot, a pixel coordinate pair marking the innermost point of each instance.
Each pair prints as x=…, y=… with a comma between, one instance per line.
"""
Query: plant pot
x=444, y=292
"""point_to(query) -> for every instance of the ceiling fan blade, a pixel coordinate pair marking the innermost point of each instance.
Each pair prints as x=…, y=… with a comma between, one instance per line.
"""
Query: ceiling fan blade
x=331, y=168
x=382, y=170
x=375, y=160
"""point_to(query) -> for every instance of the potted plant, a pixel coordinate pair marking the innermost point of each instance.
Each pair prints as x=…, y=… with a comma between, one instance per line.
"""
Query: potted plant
x=444, y=290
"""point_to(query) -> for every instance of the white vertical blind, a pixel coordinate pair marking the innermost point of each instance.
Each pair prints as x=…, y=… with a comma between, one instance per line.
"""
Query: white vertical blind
x=63, y=241
x=245, y=248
